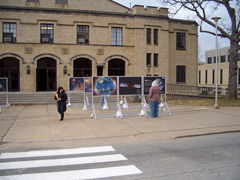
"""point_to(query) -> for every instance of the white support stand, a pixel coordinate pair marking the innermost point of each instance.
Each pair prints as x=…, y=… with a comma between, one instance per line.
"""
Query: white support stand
x=125, y=104
x=87, y=101
x=145, y=103
x=7, y=104
x=143, y=111
x=85, y=106
x=69, y=101
x=121, y=101
x=164, y=107
x=119, y=112
x=105, y=105
x=93, y=114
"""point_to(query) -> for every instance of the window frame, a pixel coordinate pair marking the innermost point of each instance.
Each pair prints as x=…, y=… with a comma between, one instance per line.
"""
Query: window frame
x=149, y=36
x=116, y=40
x=149, y=59
x=181, y=43
x=11, y=32
x=206, y=76
x=223, y=59
x=155, y=60
x=213, y=76
x=221, y=76
x=61, y=1
x=181, y=72
x=209, y=60
x=83, y=30
x=46, y=34
x=155, y=36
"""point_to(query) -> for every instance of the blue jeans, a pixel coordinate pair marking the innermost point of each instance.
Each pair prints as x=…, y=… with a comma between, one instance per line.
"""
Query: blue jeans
x=102, y=101
x=154, y=106
x=61, y=109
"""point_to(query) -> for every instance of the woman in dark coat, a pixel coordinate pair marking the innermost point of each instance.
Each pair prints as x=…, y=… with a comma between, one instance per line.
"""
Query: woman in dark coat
x=61, y=98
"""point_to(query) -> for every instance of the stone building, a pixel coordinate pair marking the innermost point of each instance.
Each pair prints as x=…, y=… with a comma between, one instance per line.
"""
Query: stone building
x=44, y=42
x=207, y=71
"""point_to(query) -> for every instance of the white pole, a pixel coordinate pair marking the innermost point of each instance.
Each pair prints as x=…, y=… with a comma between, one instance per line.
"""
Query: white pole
x=216, y=89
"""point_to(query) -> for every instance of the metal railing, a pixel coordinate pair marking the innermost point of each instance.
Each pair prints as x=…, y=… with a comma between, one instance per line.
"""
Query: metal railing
x=194, y=90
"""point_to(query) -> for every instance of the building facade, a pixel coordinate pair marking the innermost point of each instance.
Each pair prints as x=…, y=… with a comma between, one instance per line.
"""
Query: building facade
x=44, y=42
x=206, y=71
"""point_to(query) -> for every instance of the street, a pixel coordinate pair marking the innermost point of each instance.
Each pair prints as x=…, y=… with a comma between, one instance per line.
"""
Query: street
x=203, y=157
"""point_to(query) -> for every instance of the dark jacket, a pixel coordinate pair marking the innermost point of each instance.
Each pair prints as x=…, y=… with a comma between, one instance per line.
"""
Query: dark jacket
x=63, y=97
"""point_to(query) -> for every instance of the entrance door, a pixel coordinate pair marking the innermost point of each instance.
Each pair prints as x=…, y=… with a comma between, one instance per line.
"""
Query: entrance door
x=116, y=67
x=46, y=75
x=9, y=68
x=82, y=67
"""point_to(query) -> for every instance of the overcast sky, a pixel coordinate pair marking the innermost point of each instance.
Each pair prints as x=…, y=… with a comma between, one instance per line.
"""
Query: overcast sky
x=205, y=41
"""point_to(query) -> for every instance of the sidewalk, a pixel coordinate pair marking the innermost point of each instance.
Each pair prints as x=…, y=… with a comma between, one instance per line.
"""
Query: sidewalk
x=38, y=127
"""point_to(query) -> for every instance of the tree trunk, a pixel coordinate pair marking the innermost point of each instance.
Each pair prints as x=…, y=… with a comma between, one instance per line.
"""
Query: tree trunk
x=232, y=81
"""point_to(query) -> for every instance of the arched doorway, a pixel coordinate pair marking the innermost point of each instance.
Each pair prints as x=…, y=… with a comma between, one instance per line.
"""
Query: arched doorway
x=82, y=67
x=116, y=67
x=9, y=68
x=46, y=74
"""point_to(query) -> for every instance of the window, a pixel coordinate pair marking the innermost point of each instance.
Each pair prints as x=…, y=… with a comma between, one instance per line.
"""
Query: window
x=148, y=59
x=32, y=0
x=46, y=33
x=181, y=41
x=155, y=36
x=213, y=76
x=238, y=56
x=228, y=58
x=9, y=32
x=116, y=36
x=221, y=76
x=116, y=67
x=61, y=1
x=181, y=74
x=209, y=60
x=149, y=32
x=199, y=77
x=82, y=34
x=99, y=71
x=215, y=59
x=223, y=59
x=206, y=77
x=155, y=60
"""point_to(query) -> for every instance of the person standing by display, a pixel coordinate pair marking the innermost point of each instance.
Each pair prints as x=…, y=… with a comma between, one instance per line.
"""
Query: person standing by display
x=61, y=98
x=154, y=97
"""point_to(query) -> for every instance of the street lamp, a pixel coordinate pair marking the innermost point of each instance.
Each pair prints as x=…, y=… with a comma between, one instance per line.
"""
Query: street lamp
x=216, y=89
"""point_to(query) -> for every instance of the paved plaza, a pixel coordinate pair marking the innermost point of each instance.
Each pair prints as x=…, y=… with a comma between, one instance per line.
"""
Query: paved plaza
x=38, y=126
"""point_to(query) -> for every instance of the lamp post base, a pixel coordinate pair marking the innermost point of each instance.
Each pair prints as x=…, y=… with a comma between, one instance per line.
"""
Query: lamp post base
x=216, y=106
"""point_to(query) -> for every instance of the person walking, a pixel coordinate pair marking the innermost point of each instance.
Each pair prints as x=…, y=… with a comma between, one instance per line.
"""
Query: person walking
x=154, y=97
x=61, y=98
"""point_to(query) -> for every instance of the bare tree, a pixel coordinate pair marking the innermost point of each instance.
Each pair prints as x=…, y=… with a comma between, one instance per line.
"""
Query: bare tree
x=204, y=10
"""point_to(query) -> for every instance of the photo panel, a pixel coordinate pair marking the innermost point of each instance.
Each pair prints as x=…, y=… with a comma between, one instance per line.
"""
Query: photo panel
x=148, y=80
x=130, y=85
x=76, y=84
x=104, y=86
x=88, y=84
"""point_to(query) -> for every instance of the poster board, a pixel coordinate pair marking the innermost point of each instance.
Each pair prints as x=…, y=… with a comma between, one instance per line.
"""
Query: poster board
x=130, y=85
x=105, y=86
x=88, y=84
x=148, y=83
x=3, y=85
x=76, y=84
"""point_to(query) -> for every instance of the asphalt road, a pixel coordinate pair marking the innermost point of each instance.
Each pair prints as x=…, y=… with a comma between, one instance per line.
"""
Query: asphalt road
x=215, y=157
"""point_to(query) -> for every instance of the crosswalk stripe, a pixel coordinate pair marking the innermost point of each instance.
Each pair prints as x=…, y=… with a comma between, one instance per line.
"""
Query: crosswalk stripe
x=57, y=152
x=62, y=162
x=79, y=174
